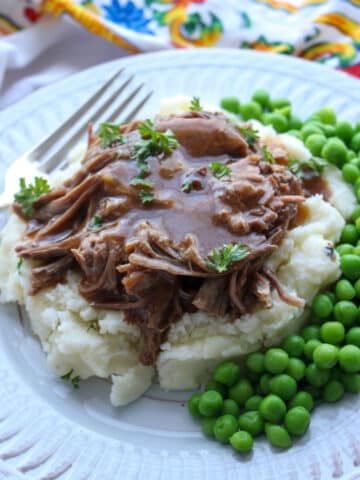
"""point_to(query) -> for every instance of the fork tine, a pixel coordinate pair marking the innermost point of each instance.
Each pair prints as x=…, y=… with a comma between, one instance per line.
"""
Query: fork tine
x=37, y=152
x=133, y=112
x=59, y=158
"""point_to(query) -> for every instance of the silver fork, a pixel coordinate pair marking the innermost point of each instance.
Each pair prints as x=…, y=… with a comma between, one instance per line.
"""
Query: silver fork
x=51, y=152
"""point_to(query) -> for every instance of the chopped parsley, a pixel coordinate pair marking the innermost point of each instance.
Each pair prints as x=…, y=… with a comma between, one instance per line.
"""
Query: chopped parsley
x=146, y=196
x=19, y=264
x=95, y=223
x=72, y=378
x=110, y=134
x=219, y=169
x=135, y=182
x=314, y=163
x=195, y=105
x=29, y=194
x=92, y=326
x=251, y=135
x=186, y=187
x=222, y=259
x=267, y=156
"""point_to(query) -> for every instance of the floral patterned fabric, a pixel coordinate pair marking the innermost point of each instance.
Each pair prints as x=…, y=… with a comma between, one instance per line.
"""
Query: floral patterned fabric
x=326, y=31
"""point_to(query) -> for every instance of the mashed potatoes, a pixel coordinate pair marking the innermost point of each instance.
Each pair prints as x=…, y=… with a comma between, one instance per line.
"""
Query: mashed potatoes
x=99, y=342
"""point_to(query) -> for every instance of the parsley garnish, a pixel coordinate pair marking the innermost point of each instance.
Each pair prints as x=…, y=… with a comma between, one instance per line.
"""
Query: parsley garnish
x=267, y=156
x=219, y=169
x=146, y=196
x=141, y=182
x=92, y=326
x=19, y=264
x=29, y=194
x=110, y=134
x=95, y=223
x=195, y=105
x=187, y=187
x=73, y=379
x=222, y=259
x=251, y=135
x=314, y=163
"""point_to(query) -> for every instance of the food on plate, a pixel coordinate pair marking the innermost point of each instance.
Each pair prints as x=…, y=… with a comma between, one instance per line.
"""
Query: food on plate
x=275, y=389
x=174, y=243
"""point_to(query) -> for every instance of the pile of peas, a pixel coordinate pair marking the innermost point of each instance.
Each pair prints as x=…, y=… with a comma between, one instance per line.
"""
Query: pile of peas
x=274, y=391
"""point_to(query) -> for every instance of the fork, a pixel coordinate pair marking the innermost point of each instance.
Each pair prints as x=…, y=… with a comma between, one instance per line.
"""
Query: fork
x=51, y=152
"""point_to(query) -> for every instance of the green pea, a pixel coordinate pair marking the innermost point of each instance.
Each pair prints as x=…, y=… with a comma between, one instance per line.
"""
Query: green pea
x=357, y=226
x=295, y=123
x=349, y=358
x=264, y=387
x=345, y=248
x=327, y=115
x=272, y=408
x=251, y=422
x=286, y=111
x=356, y=212
x=255, y=362
x=218, y=387
x=332, y=332
x=355, y=142
x=353, y=336
x=262, y=97
x=283, y=385
x=295, y=133
x=302, y=399
x=277, y=120
x=349, y=234
x=296, y=368
x=329, y=130
x=242, y=442
x=344, y=290
x=350, y=266
x=315, y=142
x=346, y=312
x=231, y=104
x=345, y=131
x=225, y=426
x=310, y=129
x=227, y=373
x=322, y=307
x=351, y=382
x=253, y=403
x=193, y=405
x=276, y=103
x=312, y=332
x=207, y=425
x=350, y=173
x=351, y=155
x=316, y=376
x=326, y=355
x=278, y=436
x=241, y=391
x=357, y=288
x=210, y=403
x=230, y=407
x=333, y=391
x=332, y=296
x=297, y=421
x=251, y=110
x=335, y=151
x=357, y=127
x=276, y=360
x=294, y=345
x=310, y=347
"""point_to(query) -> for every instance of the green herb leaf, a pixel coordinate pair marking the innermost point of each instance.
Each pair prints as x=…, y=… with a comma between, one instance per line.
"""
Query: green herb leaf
x=222, y=259
x=251, y=135
x=95, y=223
x=316, y=164
x=187, y=187
x=267, y=156
x=141, y=182
x=195, y=105
x=29, y=194
x=219, y=169
x=74, y=380
x=146, y=196
x=19, y=264
x=110, y=134
x=92, y=326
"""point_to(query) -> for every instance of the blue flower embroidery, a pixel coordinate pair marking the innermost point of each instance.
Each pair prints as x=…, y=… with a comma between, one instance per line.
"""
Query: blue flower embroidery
x=128, y=15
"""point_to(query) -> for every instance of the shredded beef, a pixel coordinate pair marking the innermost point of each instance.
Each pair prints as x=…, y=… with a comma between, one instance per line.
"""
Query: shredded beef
x=150, y=260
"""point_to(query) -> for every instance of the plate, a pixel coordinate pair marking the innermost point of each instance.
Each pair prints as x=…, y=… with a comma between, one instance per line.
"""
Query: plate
x=48, y=431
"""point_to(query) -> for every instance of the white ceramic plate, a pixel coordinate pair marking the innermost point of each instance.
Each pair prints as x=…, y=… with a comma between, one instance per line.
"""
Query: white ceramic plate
x=48, y=431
